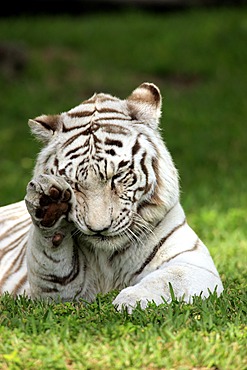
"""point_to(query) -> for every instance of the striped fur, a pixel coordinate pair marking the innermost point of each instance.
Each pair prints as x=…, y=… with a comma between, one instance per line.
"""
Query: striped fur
x=102, y=211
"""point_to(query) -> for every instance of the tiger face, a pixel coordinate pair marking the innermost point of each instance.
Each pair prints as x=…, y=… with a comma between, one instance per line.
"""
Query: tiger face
x=108, y=151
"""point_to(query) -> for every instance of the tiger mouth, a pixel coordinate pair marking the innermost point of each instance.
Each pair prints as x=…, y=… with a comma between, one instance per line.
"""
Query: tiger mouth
x=101, y=238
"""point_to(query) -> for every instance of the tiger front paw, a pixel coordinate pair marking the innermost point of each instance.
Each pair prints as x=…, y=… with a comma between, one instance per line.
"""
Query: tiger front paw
x=48, y=200
x=130, y=297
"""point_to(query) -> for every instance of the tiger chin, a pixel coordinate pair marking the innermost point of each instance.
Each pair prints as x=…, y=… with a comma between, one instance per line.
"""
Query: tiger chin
x=102, y=211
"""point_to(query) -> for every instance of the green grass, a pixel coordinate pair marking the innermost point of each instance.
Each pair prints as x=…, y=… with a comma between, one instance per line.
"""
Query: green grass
x=199, y=61
x=208, y=334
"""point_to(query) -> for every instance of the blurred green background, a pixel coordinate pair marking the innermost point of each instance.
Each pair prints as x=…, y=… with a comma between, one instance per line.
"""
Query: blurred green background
x=197, y=57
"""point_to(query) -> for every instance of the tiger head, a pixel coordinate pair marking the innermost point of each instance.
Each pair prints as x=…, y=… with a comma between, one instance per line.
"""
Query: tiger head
x=111, y=154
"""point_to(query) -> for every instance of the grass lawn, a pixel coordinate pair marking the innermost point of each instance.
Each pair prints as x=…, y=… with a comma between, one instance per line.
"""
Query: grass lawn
x=198, y=58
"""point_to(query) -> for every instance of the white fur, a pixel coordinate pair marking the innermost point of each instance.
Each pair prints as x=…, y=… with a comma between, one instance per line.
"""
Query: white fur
x=144, y=245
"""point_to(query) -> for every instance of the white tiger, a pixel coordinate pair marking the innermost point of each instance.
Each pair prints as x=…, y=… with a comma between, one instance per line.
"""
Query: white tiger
x=104, y=211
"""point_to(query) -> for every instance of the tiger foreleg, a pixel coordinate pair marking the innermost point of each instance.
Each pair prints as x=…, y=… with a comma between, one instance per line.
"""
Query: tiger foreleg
x=52, y=259
x=179, y=280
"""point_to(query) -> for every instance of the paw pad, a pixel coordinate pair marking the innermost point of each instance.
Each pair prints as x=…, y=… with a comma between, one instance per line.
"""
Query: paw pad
x=57, y=239
x=48, y=199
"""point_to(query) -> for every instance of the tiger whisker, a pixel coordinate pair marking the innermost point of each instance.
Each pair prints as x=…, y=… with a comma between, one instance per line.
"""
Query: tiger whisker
x=142, y=226
x=133, y=236
x=75, y=233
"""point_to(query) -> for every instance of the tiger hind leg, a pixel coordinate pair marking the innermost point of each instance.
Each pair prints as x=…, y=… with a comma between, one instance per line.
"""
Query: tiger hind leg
x=15, y=224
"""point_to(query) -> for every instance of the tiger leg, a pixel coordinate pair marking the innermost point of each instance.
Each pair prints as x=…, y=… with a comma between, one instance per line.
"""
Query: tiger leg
x=178, y=278
x=53, y=260
x=15, y=224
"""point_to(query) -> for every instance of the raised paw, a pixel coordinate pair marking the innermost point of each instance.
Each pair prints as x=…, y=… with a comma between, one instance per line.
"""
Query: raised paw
x=48, y=200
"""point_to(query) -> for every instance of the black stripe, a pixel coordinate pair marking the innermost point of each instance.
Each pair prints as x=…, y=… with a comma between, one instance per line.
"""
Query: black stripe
x=72, y=151
x=20, y=259
x=110, y=110
x=62, y=172
x=188, y=250
x=70, y=140
x=117, y=143
x=19, y=285
x=123, y=164
x=15, y=243
x=45, y=125
x=14, y=267
x=56, y=162
x=75, y=156
x=114, y=129
x=136, y=147
x=64, y=280
x=154, y=205
x=49, y=290
x=103, y=118
x=68, y=129
x=203, y=268
x=111, y=152
x=157, y=247
x=51, y=258
x=80, y=114
x=143, y=166
x=14, y=229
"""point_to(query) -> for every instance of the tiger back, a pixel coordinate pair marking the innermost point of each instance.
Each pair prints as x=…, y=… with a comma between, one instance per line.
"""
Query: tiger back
x=103, y=210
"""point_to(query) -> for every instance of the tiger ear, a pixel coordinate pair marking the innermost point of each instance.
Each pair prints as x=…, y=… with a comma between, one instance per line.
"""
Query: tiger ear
x=144, y=104
x=44, y=127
